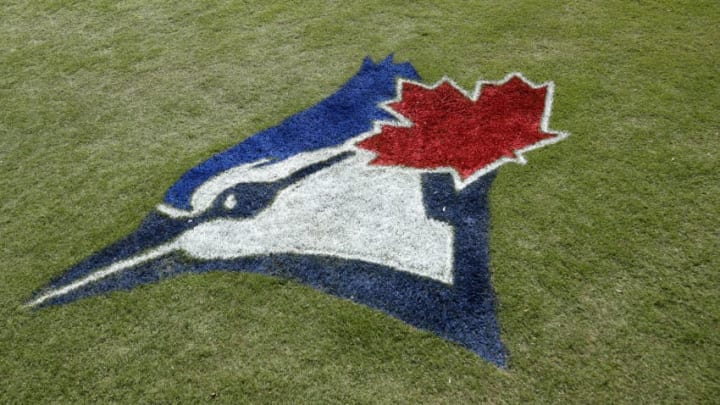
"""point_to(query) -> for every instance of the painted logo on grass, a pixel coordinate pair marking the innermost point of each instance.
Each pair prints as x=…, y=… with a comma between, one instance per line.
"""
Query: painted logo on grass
x=377, y=194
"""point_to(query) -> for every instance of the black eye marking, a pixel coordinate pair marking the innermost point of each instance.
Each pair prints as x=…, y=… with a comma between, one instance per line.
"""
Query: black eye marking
x=245, y=200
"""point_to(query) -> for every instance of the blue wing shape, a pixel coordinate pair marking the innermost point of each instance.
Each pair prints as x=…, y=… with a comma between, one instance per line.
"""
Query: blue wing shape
x=343, y=115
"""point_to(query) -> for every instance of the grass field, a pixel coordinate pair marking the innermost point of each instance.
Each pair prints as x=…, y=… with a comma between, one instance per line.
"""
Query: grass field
x=604, y=247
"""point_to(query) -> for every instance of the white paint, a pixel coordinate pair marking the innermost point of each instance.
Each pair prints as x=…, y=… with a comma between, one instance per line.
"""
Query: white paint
x=230, y=202
x=350, y=210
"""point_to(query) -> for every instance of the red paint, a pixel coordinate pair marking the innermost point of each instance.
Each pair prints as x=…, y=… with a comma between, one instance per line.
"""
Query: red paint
x=450, y=130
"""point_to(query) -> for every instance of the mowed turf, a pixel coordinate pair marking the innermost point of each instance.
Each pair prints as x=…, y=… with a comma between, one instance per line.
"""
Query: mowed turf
x=604, y=247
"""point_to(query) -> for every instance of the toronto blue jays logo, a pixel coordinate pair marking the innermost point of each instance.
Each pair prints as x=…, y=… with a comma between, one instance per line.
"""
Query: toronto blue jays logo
x=377, y=194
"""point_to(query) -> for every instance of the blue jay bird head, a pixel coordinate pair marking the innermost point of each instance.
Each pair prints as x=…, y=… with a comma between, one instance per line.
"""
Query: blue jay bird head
x=305, y=200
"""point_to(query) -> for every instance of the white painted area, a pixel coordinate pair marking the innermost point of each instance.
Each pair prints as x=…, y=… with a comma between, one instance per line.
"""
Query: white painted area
x=350, y=210
x=230, y=202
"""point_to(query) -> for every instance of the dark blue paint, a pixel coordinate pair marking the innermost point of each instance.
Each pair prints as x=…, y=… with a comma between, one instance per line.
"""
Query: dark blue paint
x=343, y=115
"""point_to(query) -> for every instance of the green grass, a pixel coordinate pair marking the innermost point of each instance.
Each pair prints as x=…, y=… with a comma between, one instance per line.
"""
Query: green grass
x=604, y=247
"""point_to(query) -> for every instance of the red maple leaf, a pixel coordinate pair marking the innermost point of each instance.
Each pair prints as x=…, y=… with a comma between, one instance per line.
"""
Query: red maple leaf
x=450, y=129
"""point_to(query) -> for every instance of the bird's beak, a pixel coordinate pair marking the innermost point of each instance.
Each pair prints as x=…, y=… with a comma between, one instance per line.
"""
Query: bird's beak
x=122, y=265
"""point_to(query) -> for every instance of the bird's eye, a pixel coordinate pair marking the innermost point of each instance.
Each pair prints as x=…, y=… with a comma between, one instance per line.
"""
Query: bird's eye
x=230, y=202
